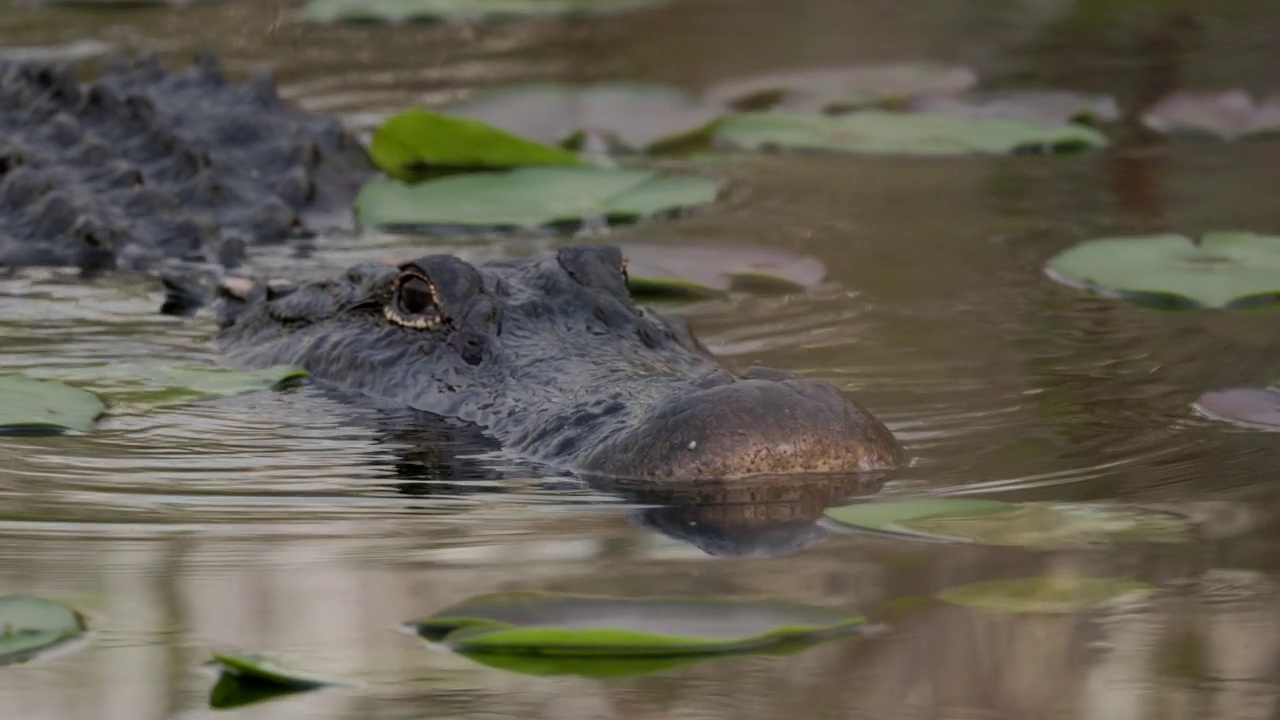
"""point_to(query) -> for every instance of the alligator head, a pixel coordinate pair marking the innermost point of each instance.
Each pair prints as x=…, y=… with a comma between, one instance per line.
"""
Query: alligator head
x=556, y=362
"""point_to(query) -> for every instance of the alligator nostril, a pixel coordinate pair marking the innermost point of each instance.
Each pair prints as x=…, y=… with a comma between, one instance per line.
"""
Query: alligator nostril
x=715, y=378
x=758, y=372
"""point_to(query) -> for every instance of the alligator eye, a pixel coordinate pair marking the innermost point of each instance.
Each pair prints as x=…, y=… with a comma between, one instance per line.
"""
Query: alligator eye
x=415, y=296
x=413, y=303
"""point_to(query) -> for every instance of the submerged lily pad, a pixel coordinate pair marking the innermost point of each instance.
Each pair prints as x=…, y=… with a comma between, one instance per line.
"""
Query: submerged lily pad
x=153, y=384
x=702, y=271
x=1043, y=595
x=30, y=626
x=29, y=406
x=458, y=10
x=248, y=679
x=836, y=88
x=1250, y=407
x=634, y=116
x=1225, y=269
x=991, y=522
x=1231, y=114
x=410, y=144
x=567, y=625
x=1049, y=107
x=529, y=198
x=878, y=131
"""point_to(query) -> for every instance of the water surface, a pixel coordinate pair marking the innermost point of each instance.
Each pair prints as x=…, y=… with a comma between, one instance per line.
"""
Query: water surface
x=288, y=522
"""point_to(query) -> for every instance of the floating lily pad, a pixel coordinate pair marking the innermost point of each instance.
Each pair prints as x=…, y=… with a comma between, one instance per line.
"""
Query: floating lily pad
x=248, y=679
x=703, y=271
x=45, y=407
x=1250, y=407
x=1047, y=107
x=566, y=625
x=878, y=131
x=990, y=522
x=633, y=116
x=839, y=88
x=1225, y=269
x=1044, y=595
x=458, y=10
x=410, y=144
x=30, y=626
x=158, y=384
x=529, y=198
x=1229, y=115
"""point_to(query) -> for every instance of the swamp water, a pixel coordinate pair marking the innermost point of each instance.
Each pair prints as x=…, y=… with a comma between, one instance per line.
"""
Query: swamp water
x=284, y=522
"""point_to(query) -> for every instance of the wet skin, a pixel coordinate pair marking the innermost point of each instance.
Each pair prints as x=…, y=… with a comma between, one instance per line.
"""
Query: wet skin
x=553, y=359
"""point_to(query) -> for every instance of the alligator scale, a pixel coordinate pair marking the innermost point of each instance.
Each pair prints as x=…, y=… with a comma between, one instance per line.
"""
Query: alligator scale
x=142, y=165
x=551, y=356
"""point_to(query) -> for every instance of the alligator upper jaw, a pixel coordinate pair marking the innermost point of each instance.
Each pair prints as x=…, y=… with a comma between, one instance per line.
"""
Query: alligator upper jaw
x=749, y=426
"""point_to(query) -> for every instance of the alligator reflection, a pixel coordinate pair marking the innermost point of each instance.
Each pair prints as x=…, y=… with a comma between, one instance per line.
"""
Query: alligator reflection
x=755, y=516
x=759, y=516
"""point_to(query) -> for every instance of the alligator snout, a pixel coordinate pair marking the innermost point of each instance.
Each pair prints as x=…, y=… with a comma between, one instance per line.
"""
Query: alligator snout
x=765, y=422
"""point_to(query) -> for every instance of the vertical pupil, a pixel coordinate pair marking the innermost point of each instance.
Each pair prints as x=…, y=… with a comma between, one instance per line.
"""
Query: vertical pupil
x=415, y=296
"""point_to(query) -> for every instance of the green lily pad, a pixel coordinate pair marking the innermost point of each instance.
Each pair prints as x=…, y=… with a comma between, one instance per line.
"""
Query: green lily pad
x=248, y=679
x=1228, y=115
x=632, y=116
x=158, y=384
x=1048, y=107
x=1257, y=408
x=879, y=131
x=30, y=626
x=567, y=625
x=1225, y=269
x=29, y=406
x=828, y=89
x=1044, y=595
x=706, y=271
x=529, y=198
x=410, y=144
x=1034, y=525
x=458, y=10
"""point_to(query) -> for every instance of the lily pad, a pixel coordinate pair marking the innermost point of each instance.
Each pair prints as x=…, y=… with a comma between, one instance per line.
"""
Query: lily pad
x=1223, y=270
x=568, y=625
x=1257, y=408
x=1229, y=115
x=631, y=116
x=458, y=10
x=879, y=131
x=1033, y=525
x=248, y=679
x=1048, y=107
x=705, y=271
x=45, y=407
x=30, y=626
x=829, y=89
x=1044, y=595
x=410, y=144
x=529, y=198
x=158, y=384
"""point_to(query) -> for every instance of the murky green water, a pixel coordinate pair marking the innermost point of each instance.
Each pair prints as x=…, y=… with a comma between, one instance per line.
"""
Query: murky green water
x=285, y=522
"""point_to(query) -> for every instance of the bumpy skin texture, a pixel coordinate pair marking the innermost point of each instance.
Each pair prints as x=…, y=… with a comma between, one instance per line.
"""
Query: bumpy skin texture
x=142, y=165
x=554, y=360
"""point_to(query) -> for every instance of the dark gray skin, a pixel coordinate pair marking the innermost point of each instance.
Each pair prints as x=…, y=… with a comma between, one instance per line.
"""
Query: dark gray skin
x=552, y=358
x=143, y=167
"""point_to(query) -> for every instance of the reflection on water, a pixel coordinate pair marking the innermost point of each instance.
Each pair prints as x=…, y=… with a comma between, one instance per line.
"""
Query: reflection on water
x=295, y=523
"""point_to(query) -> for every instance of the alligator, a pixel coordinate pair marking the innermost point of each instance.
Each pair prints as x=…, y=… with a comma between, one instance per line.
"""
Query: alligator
x=553, y=359
x=142, y=166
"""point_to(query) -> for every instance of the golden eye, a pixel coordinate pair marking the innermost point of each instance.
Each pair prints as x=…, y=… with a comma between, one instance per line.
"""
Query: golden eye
x=415, y=296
